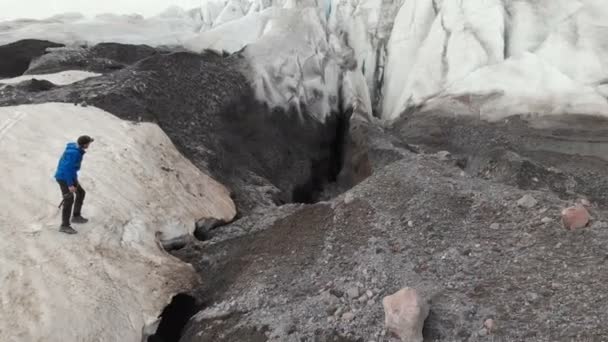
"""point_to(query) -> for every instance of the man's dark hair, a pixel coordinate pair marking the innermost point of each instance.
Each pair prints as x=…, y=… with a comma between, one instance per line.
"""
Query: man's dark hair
x=84, y=139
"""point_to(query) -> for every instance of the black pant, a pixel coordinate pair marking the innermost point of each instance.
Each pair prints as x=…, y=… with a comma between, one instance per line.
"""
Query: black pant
x=69, y=201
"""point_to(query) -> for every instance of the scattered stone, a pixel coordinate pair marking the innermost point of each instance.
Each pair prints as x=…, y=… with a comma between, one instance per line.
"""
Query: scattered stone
x=405, y=312
x=352, y=292
x=410, y=223
x=599, y=225
x=369, y=293
x=348, y=316
x=205, y=226
x=585, y=202
x=575, y=217
x=331, y=310
x=546, y=220
x=349, y=198
x=329, y=298
x=535, y=180
x=285, y=329
x=213, y=313
x=371, y=302
x=490, y=325
x=527, y=201
x=363, y=299
x=336, y=293
x=443, y=155
x=495, y=226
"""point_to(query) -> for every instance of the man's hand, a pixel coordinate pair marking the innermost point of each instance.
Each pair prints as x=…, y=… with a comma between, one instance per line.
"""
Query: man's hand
x=72, y=188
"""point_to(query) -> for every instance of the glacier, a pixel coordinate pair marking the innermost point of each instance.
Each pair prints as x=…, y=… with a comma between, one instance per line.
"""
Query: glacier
x=516, y=57
x=379, y=58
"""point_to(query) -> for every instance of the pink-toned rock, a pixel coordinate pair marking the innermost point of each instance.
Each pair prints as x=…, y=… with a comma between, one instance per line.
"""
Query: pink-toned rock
x=575, y=217
x=489, y=325
x=405, y=312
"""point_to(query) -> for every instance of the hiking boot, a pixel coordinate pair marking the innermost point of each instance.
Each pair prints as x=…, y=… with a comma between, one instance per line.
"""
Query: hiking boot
x=67, y=230
x=79, y=219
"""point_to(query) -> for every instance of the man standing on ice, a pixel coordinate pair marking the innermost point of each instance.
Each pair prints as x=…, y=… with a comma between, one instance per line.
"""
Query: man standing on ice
x=67, y=177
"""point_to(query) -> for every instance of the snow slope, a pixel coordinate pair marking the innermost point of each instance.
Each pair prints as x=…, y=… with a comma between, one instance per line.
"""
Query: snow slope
x=60, y=78
x=112, y=278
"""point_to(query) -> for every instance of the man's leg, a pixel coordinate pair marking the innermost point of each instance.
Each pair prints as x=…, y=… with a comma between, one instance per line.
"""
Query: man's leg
x=80, y=193
x=68, y=201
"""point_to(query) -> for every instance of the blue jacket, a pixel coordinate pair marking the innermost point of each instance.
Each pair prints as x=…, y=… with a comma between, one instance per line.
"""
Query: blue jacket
x=69, y=164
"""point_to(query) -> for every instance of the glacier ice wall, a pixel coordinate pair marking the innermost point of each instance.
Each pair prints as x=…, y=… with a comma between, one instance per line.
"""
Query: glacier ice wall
x=498, y=57
x=491, y=58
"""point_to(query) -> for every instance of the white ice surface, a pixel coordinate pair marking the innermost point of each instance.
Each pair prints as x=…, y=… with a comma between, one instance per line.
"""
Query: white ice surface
x=107, y=281
x=60, y=78
x=170, y=28
x=549, y=57
x=409, y=52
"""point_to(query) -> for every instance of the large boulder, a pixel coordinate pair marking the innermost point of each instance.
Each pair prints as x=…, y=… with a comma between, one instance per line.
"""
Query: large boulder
x=405, y=312
x=15, y=58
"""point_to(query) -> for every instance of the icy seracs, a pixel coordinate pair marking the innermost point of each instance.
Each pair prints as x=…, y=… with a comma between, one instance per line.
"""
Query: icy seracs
x=544, y=56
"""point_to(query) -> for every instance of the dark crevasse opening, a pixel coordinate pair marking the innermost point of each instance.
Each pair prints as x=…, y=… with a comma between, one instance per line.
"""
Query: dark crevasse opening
x=324, y=171
x=174, y=318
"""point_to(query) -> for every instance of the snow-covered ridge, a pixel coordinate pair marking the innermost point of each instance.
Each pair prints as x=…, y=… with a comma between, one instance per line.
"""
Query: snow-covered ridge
x=60, y=78
x=385, y=56
x=112, y=278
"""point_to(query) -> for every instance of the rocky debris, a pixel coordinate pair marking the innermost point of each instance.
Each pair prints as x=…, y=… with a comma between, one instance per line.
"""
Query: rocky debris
x=546, y=220
x=101, y=58
x=565, y=153
x=575, y=217
x=204, y=227
x=585, y=202
x=15, y=58
x=348, y=198
x=444, y=251
x=214, y=313
x=527, y=201
x=348, y=316
x=489, y=325
x=405, y=312
x=443, y=155
x=352, y=292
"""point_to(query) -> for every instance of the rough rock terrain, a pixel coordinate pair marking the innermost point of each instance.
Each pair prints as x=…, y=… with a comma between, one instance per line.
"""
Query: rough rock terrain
x=457, y=236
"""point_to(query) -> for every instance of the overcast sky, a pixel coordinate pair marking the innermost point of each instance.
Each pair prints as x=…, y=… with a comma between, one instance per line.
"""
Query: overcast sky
x=13, y=9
